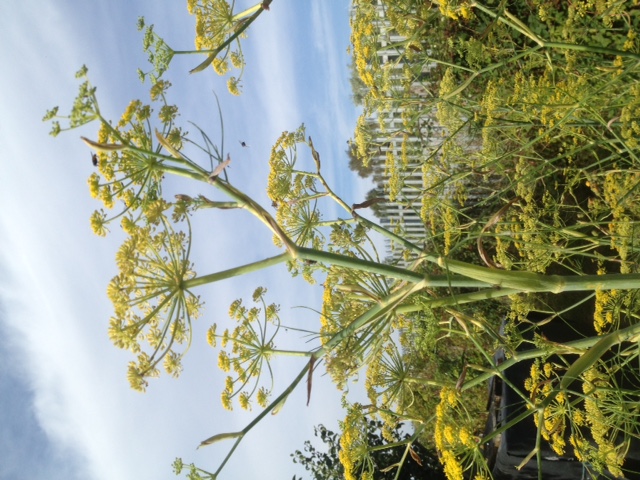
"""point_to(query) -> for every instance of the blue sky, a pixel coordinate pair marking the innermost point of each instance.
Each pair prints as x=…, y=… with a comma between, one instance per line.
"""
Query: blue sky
x=66, y=409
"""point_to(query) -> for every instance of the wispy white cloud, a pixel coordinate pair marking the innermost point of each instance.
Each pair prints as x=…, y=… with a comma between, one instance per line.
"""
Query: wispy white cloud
x=272, y=70
x=328, y=24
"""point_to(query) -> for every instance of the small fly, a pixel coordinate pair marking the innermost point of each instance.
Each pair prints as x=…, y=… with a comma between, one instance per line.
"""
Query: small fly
x=94, y=160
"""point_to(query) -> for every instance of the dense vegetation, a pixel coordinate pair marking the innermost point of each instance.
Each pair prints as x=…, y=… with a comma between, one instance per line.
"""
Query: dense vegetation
x=527, y=112
x=536, y=171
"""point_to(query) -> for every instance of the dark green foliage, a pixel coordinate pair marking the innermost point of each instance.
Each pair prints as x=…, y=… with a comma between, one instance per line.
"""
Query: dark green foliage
x=325, y=465
x=356, y=164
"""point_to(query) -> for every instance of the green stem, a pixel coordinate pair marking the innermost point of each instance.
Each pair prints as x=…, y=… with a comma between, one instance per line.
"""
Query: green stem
x=247, y=12
x=573, y=347
x=221, y=205
x=459, y=299
x=307, y=198
x=277, y=403
x=183, y=172
x=592, y=49
x=507, y=425
x=338, y=221
x=289, y=353
x=388, y=270
x=234, y=272
x=537, y=282
x=191, y=52
x=228, y=41
x=244, y=201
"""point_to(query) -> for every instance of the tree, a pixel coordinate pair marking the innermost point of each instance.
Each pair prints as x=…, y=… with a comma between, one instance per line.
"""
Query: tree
x=358, y=88
x=325, y=465
x=322, y=465
x=356, y=164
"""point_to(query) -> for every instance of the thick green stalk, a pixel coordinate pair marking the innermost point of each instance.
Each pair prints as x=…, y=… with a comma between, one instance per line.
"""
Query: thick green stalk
x=457, y=299
x=355, y=263
x=537, y=282
x=584, y=362
x=388, y=270
x=234, y=272
x=289, y=353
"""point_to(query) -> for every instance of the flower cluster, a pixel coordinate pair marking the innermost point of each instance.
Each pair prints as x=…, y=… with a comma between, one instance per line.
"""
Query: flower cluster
x=363, y=39
x=598, y=421
x=130, y=167
x=294, y=193
x=153, y=306
x=354, y=450
x=552, y=422
x=84, y=110
x=608, y=414
x=455, y=440
x=455, y=10
x=285, y=182
x=158, y=52
x=247, y=350
x=388, y=380
x=347, y=296
x=216, y=23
